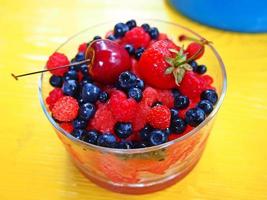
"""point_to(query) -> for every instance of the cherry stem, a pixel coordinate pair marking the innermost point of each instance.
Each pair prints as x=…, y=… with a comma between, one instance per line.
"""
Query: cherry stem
x=202, y=42
x=192, y=57
x=52, y=69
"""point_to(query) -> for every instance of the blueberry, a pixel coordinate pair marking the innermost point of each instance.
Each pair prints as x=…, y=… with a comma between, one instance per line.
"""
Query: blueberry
x=97, y=37
x=90, y=136
x=146, y=27
x=106, y=140
x=174, y=113
x=138, y=145
x=157, y=137
x=79, y=124
x=139, y=52
x=80, y=100
x=193, y=65
x=86, y=79
x=126, y=80
x=210, y=95
x=206, y=106
x=201, y=69
x=84, y=69
x=123, y=129
x=131, y=24
x=111, y=37
x=87, y=111
x=154, y=33
x=136, y=94
x=145, y=132
x=124, y=145
x=178, y=125
x=80, y=57
x=71, y=75
x=195, y=116
x=90, y=92
x=157, y=103
x=77, y=133
x=70, y=87
x=167, y=131
x=120, y=29
x=103, y=97
x=130, y=49
x=139, y=84
x=176, y=93
x=181, y=102
x=56, y=81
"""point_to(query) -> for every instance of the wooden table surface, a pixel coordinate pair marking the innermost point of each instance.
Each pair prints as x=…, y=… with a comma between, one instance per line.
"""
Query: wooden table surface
x=34, y=164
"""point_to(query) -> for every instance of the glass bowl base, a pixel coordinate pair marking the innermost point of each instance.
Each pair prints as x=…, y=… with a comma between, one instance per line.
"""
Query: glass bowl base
x=136, y=188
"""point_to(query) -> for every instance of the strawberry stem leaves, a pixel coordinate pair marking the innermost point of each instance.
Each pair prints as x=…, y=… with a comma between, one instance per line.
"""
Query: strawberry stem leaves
x=179, y=63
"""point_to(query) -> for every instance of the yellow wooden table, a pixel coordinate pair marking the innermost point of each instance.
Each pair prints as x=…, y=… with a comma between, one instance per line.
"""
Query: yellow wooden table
x=34, y=164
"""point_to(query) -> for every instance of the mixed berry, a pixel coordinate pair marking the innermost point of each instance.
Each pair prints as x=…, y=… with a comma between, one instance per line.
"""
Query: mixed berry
x=139, y=88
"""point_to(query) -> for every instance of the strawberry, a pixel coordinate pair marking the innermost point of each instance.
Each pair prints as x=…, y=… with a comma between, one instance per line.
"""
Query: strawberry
x=65, y=109
x=152, y=64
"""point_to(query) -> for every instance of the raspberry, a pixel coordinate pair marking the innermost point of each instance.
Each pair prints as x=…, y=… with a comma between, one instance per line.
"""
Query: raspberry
x=117, y=95
x=140, y=116
x=166, y=98
x=123, y=111
x=56, y=60
x=159, y=117
x=208, y=79
x=103, y=120
x=83, y=47
x=150, y=96
x=54, y=95
x=65, y=109
x=66, y=126
x=191, y=85
x=136, y=37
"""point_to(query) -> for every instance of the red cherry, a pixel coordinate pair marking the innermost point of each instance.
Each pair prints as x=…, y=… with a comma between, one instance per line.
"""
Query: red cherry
x=108, y=60
x=193, y=48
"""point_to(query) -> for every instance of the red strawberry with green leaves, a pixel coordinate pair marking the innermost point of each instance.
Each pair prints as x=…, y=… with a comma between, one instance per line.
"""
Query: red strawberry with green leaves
x=163, y=65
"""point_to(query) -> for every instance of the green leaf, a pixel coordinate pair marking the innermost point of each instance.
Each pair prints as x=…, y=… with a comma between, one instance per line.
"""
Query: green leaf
x=169, y=70
x=173, y=51
x=179, y=75
x=169, y=61
x=187, y=66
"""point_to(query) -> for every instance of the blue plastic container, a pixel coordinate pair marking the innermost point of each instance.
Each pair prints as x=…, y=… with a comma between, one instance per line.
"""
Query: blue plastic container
x=234, y=15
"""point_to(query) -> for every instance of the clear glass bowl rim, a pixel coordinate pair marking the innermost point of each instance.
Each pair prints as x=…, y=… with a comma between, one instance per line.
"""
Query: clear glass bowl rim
x=147, y=149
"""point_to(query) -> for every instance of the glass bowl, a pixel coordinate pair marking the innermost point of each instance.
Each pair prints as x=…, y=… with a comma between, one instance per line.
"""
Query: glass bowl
x=139, y=170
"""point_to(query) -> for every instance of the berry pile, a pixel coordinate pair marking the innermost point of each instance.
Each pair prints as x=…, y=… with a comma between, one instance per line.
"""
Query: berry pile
x=140, y=89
